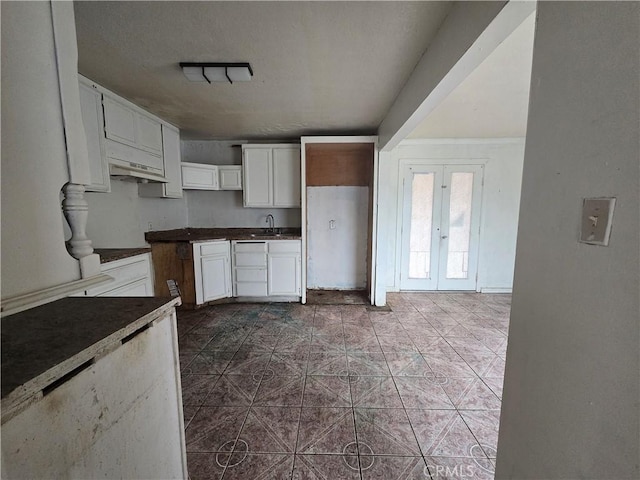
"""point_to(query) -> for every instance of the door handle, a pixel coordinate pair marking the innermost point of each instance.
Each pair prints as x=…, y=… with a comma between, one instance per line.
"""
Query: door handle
x=444, y=237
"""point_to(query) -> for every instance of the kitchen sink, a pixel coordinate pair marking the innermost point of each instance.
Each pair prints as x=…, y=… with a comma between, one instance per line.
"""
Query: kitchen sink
x=265, y=235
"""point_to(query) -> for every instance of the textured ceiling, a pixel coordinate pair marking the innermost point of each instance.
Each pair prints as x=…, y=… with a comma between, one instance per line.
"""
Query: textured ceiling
x=493, y=101
x=319, y=67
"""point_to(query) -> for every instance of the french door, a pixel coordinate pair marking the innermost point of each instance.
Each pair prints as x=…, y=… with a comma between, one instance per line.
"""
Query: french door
x=440, y=227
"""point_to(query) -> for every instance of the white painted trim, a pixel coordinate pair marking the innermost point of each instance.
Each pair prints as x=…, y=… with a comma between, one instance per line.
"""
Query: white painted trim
x=374, y=224
x=496, y=290
x=26, y=301
x=303, y=221
x=462, y=141
x=341, y=139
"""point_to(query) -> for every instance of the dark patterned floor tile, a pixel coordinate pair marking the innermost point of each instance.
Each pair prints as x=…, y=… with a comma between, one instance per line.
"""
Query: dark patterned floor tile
x=195, y=388
x=326, y=391
x=188, y=412
x=422, y=393
x=367, y=364
x=385, y=431
x=248, y=363
x=206, y=466
x=271, y=466
x=393, y=468
x=215, y=429
x=280, y=391
x=407, y=364
x=326, y=430
x=442, y=433
x=396, y=343
x=271, y=429
x=471, y=394
x=326, y=467
x=460, y=468
x=192, y=342
x=374, y=392
x=210, y=362
x=326, y=343
x=288, y=363
x=484, y=425
x=321, y=363
x=233, y=391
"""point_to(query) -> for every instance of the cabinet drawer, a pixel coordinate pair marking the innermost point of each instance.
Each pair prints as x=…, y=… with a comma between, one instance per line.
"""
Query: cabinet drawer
x=251, y=289
x=214, y=248
x=250, y=259
x=139, y=288
x=285, y=246
x=123, y=272
x=250, y=247
x=251, y=274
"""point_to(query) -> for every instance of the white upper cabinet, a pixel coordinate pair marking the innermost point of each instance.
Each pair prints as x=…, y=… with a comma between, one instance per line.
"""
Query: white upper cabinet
x=126, y=125
x=286, y=177
x=149, y=134
x=230, y=177
x=271, y=175
x=172, y=170
x=93, y=122
x=199, y=176
x=257, y=173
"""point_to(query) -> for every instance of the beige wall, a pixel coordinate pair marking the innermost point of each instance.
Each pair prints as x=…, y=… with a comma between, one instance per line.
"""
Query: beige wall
x=571, y=398
x=34, y=166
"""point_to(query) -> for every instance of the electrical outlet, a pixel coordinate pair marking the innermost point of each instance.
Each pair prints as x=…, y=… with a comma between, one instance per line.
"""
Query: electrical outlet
x=597, y=216
x=150, y=226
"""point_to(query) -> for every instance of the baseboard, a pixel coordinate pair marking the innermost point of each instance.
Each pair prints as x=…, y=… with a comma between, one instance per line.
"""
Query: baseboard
x=496, y=290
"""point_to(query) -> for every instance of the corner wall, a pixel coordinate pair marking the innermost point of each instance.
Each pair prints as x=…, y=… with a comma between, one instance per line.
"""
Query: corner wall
x=571, y=403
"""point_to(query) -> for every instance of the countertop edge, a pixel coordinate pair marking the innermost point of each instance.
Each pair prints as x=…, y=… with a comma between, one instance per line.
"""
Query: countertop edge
x=31, y=391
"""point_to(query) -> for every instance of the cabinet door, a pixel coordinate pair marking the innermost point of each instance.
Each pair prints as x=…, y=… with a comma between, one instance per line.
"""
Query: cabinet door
x=93, y=122
x=216, y=277
x=284, y=274
x=199, y=177
x=171, y=155
x=119, y=122
x=230, y=177
x=257, y=173
x=149, y=134
x=286, y=177
x=139, y=288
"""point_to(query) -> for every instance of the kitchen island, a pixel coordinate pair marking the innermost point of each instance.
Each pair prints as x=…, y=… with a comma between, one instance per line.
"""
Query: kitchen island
x=91, y=389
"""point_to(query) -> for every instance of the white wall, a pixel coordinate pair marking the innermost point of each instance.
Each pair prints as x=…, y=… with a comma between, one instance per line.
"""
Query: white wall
x=499, y=219
x=34, y=165
x=337, y=258
x=571, y=399
x=120, y=218
x=224, y=208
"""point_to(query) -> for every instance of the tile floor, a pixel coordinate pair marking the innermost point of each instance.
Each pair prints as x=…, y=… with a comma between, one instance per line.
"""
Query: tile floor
x=286, y=391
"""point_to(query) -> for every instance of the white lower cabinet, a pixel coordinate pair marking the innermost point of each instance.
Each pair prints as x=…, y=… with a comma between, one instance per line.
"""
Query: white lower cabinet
x=267, y=268
x=211, y=262
x=131, y=278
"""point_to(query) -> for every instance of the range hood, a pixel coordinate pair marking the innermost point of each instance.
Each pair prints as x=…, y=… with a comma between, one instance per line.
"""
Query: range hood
x=135, y=172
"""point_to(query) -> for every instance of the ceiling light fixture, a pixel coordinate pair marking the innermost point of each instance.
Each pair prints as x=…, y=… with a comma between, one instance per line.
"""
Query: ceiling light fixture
x=217, y=72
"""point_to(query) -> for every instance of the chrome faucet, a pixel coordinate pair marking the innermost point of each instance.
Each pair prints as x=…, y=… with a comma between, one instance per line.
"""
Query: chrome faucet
x=271, y=222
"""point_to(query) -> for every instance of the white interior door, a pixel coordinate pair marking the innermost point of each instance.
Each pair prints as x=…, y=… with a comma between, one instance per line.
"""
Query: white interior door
x=440, y=227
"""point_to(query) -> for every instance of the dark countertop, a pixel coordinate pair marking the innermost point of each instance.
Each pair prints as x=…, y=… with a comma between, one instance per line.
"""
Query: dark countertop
x=111, y=254
x=205, y=234
x=41, y=345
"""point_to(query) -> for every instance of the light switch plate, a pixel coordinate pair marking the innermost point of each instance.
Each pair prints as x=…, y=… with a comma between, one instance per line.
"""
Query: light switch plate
x=597, y=215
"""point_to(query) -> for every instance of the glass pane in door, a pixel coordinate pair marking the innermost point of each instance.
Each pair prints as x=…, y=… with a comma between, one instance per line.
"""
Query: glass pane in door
x=461, y=195
x=421, y=218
